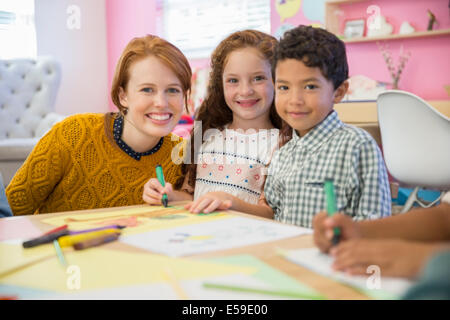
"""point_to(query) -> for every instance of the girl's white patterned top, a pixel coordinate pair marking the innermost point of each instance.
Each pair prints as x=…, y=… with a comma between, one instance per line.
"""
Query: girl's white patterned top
x=235, y=162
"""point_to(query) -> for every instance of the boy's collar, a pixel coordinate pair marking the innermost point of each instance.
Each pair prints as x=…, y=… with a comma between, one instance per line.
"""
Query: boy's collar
x=320, y=133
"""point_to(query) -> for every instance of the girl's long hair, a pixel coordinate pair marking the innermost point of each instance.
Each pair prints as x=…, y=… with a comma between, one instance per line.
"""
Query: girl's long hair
x=214, y=112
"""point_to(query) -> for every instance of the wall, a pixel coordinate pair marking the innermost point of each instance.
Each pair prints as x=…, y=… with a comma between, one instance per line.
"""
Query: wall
x=428, y=69
x=81, y=52
x=429, y=60
x=126, y=20
x=89, y=55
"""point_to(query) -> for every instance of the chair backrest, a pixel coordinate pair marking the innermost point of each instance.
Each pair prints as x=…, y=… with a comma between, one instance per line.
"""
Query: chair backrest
x=28, y=90
x=415, y=139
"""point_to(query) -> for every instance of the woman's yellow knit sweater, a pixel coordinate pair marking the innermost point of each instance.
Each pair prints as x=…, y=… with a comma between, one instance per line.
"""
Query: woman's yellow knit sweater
x=76, y=166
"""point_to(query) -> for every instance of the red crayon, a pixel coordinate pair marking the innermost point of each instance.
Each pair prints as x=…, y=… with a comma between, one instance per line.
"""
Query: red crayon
x=56, y=229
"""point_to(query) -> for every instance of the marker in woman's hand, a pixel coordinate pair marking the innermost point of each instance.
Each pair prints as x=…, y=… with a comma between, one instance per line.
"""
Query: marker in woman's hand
x=160, y=176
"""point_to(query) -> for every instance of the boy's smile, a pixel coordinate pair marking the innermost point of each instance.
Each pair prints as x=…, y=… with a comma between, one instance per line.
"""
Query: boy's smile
x=303, y=96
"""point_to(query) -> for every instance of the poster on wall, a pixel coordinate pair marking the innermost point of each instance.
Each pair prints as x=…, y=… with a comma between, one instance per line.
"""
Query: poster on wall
x=287, y=8
x=292, y=13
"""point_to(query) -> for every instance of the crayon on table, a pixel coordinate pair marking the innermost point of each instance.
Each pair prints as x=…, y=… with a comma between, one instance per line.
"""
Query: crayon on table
x=59, y=253
x=173, y=282
x=56, y=230
x=96, y=241
x=46, y=238
x=70, y=240
x=96, y=229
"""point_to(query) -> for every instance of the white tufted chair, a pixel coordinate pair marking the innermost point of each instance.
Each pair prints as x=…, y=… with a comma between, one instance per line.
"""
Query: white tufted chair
x=28, y=91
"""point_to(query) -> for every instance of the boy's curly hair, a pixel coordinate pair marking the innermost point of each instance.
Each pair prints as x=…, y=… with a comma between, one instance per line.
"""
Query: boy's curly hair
x=315, y=47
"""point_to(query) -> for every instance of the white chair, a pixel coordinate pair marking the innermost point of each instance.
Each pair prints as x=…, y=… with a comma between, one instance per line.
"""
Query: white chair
x=416, y=143
x=28, y=90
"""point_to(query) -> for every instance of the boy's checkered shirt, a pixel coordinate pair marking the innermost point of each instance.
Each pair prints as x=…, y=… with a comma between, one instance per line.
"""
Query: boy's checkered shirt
x=332, y=150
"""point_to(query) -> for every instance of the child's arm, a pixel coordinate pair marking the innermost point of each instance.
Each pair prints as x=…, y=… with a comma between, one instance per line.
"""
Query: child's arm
x=431, y=224
x=153, y=191
x=394, y=257
x=222, y=201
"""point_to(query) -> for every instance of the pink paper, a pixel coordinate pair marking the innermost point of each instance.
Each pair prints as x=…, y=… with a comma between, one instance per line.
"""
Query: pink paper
x=17, y=228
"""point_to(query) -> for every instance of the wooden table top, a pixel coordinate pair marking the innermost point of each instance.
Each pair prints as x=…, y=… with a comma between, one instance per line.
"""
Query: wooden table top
x=266, y=252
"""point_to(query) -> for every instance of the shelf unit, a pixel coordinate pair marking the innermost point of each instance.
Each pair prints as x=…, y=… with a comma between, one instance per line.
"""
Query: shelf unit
x=332, y=25
x=421, y=34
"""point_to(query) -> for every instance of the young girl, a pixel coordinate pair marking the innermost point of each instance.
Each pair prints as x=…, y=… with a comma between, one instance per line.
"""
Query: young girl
x=239, y=127
x=103, y=160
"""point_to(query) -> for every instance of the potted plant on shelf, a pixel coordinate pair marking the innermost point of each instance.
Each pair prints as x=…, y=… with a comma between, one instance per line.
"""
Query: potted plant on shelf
x=394, y=72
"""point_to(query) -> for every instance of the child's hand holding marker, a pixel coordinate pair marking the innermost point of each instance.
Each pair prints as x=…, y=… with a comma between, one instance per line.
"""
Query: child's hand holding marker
x=330, y=227
x=324, y=225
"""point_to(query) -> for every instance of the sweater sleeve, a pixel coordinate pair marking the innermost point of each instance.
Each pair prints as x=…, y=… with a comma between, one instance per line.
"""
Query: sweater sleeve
x=36, y=179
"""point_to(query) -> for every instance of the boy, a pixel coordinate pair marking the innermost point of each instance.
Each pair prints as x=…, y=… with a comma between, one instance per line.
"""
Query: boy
x=310, y=77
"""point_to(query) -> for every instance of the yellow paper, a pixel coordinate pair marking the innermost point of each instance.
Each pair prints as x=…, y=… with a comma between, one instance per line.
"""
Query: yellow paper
x=137, y=220
x=98, y=268
x=14, y=256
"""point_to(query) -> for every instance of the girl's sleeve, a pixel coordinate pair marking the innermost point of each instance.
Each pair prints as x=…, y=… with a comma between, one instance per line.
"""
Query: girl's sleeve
x=36, y=179
x=270, y=193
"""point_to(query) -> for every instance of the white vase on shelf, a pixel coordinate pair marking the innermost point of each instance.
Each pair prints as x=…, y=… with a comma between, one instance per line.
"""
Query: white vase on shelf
x=380, y=27
x=406, y=28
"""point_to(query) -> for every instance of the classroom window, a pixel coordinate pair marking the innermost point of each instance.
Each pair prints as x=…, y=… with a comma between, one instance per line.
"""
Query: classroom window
x=197, y=26
x=17, y=29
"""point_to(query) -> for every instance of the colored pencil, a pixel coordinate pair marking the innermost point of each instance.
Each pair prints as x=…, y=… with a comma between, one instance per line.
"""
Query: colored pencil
x=59, y=253
x=170, y=277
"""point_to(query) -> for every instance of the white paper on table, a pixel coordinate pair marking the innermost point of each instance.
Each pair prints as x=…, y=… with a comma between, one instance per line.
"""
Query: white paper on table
x=212, y=236
x=319, y=262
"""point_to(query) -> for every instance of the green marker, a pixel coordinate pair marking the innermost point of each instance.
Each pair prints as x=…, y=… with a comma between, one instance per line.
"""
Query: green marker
x=160, y=176
x=331, y=208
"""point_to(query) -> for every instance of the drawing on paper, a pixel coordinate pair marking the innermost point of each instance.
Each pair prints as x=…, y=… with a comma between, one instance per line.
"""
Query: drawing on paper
x=212, y=236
